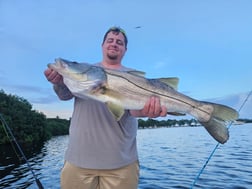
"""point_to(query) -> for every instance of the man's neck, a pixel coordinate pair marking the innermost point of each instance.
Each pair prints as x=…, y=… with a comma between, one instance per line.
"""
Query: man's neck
x=111, y=64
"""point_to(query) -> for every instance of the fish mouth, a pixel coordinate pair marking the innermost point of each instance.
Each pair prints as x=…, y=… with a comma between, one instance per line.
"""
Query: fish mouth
x=51, y=65
x=58, y=64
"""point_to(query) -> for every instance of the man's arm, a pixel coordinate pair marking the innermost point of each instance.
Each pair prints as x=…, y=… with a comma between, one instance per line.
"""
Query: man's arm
x=62, y=91
x=152, y=109
x=59, y=87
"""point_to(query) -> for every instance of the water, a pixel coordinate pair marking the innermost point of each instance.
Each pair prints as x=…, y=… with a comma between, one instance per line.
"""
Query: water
x=169, y=158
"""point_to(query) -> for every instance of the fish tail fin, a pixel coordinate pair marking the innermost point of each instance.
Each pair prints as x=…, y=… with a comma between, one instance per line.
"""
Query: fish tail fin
x=217, y=125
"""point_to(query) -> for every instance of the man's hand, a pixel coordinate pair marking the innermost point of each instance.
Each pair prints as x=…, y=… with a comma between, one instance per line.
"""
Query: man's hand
x=152, y=109
x=59, y=87
x=53, y=77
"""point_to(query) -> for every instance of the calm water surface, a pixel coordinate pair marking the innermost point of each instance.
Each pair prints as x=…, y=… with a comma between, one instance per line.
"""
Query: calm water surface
x=169, y=158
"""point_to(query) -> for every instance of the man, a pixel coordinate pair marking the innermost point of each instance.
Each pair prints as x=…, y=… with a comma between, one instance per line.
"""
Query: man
x=102, y=152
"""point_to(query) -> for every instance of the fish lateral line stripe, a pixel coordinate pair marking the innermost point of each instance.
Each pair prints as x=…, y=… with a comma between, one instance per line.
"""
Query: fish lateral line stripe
x=156, y=92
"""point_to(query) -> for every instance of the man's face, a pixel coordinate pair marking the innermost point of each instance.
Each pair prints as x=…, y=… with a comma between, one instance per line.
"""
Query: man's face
x=114, y=46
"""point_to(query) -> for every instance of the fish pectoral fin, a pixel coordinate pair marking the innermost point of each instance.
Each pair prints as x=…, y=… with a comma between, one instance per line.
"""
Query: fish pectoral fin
x=171, y=81
x=116, y=110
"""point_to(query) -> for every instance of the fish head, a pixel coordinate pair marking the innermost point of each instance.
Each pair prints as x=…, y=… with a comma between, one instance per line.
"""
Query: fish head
x=79, y=77
x=77, y=71
x=70, y=69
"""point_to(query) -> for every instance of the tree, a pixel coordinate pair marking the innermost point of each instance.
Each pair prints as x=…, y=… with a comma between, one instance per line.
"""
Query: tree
x=26, y=124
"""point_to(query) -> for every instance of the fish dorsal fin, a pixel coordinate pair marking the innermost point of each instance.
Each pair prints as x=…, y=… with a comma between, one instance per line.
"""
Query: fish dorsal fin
x=137, y=73
x=171, y=81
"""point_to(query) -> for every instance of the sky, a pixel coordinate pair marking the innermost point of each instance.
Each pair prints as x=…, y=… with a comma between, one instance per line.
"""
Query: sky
x=207, y=44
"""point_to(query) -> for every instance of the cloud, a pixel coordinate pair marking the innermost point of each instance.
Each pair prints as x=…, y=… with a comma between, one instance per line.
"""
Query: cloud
x=62, y=109
x=33, y=94
x=160, y=65
x=49, y=99
x=12, y=88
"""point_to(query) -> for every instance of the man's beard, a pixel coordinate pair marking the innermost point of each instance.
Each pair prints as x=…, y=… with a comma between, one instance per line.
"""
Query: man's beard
x=112, y=56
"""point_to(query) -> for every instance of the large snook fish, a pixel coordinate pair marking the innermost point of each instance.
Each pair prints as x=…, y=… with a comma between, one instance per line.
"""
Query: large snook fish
x=122, y=90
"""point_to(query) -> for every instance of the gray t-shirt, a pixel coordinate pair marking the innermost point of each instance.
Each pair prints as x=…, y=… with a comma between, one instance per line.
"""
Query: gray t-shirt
x=97, y=140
